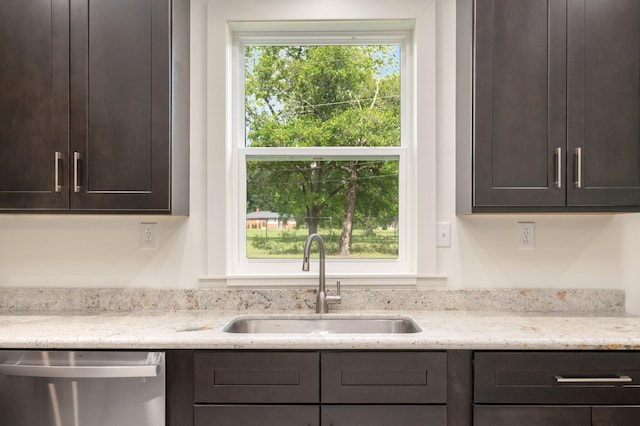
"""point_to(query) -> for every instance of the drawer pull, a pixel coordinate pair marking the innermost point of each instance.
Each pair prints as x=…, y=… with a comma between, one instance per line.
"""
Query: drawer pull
x=618, y=379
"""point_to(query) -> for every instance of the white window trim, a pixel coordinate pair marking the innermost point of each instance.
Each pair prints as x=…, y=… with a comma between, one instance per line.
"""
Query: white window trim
x=223, y=266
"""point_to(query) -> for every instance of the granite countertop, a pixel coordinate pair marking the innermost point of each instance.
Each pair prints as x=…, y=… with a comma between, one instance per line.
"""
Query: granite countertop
x=546, y=319
x=203, y=330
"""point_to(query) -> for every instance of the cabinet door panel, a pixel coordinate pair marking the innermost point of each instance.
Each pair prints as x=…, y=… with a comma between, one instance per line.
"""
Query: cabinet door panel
x=531, y=416
x=179, y=387
x=604, y=101
x=383, y=415
x=34, y=101
x=615, y=416
x=256, y=415
x=256, y=377
x=384, y=377
x=120, y=109
x=520, y=107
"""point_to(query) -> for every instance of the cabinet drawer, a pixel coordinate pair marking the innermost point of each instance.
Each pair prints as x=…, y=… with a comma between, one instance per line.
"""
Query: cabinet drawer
x=384, y=415
x=256, y=415
x=384, y=377
x=612, y=415
x=497, y=415
x=256, y=377
x=557, y=377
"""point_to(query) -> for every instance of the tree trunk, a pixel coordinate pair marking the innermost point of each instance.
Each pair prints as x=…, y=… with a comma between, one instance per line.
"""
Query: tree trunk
x=349, y=210
x=314, y=211
x=314, y=215
x=312, y=220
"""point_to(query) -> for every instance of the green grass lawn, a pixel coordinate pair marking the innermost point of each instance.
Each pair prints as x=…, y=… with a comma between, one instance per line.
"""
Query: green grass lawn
x=273, y=243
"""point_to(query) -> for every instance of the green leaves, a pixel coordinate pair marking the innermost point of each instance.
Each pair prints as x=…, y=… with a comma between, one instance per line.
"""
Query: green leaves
x=324, y=96
x=337, y=95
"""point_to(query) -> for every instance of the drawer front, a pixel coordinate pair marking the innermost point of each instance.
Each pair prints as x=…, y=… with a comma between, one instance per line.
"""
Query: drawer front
x=256, y=415
x=384, y=415
x=256, y=377
x=557, y=377
x=384, y=377
x=497, y=415
x=615, y=416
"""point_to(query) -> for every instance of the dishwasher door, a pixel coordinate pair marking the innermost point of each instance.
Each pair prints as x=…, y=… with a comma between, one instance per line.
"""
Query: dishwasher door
x=82, y=388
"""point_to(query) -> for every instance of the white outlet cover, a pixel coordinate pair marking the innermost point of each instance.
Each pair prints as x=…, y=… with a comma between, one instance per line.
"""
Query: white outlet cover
x=443, y=237
x=148, y=235
x=526, y=235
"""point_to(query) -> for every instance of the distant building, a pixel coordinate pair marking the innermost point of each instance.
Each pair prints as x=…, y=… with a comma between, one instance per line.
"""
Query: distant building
x=269, y=220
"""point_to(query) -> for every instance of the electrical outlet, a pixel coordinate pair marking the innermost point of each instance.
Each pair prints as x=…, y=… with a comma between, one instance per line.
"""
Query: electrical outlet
x=526, y=235
x=148, y=235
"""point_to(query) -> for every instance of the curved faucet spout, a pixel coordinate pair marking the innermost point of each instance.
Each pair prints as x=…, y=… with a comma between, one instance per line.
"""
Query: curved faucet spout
x=322, y=300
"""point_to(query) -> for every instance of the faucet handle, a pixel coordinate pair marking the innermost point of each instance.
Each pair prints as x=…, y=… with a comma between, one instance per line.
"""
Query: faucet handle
x=337, y=298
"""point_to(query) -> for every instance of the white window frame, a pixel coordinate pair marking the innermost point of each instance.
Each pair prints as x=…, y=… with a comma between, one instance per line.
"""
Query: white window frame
x=227, y=262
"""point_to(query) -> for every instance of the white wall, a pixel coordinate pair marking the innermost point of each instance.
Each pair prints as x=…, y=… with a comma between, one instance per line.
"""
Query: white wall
x=590, y=251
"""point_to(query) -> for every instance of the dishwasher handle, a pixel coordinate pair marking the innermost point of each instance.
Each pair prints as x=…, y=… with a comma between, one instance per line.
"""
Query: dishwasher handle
x=151, y=369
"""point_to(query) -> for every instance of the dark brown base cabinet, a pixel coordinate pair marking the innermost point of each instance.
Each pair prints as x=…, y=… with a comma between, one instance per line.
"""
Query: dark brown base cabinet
x=531, y=416
x=406, y=388
x=383, y=415
x=555, y=416
x=327, y=415
x=328, y=388
x=556, y=388
x=265, y=415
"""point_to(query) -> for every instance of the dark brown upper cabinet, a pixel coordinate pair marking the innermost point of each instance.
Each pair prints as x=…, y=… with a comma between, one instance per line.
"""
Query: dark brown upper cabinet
x=94, y=106
x=34, y=103
x=548, y=106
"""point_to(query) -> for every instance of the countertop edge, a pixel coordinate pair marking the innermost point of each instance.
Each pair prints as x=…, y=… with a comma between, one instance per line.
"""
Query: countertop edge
x=442, y=330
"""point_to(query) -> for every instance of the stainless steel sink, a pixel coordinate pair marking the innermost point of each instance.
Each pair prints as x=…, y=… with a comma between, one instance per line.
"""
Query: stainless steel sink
x=322, y=324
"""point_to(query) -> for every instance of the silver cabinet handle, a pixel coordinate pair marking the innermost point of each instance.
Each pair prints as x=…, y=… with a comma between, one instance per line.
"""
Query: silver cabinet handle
x=617, y=379
x=76, y=171
x=57, y=158
x=578, y=168
x=558, y=159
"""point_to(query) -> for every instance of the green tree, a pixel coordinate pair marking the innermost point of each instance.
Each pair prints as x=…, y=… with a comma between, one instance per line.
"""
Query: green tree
x=324, y=96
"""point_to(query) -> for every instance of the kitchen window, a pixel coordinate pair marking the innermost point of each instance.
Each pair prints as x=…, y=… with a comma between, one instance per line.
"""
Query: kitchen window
x=322, y=136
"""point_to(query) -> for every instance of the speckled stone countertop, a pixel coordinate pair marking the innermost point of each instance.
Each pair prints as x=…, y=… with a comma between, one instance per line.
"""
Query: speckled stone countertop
x=203, y=330
x=450, y=319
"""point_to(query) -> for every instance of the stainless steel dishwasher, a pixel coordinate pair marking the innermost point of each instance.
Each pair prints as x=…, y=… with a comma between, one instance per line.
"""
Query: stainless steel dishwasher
x=82, y=388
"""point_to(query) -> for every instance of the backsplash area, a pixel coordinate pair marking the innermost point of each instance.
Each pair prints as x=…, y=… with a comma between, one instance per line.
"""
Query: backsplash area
x=511, y=300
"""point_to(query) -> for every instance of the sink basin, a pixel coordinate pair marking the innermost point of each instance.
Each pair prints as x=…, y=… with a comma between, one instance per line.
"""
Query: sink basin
x=321, y=324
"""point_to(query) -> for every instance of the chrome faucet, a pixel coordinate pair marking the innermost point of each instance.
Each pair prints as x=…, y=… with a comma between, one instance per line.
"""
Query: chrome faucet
x=322, y=299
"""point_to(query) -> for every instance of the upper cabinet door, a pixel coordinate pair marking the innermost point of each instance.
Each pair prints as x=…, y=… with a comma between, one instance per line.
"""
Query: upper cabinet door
x=520, y=103
x=34, y=102
x=120, y=105
x=604, y=102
